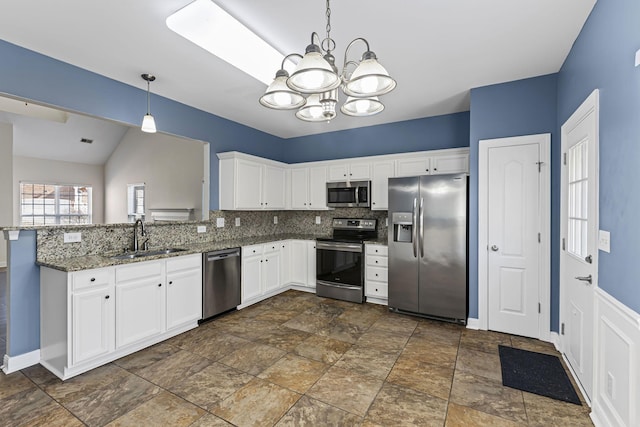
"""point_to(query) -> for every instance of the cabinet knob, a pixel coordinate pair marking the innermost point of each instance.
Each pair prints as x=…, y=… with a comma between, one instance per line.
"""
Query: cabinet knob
x=376, y=274
x=435, y=169
x=260, y=260
x=159, y=285
x=374, y=203
x=427, y=170
x=171, y=283
x=350, y=174
x=305, y=204
x=106, y=297
x=376, y=261
x=344, y=174
x=93, y=279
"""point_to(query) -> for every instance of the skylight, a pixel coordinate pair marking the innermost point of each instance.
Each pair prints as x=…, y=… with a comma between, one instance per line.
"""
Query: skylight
x=204, y=23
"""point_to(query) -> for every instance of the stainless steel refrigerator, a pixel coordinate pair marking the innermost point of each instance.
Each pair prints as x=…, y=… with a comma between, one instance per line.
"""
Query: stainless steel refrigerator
x=428, y=246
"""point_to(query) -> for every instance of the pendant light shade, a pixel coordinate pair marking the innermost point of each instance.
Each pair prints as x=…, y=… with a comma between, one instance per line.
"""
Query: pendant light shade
x=312, y=111
x=148, y=122
x=278, y=95
x=369, y=78
x=362, y=107
x=313, y=73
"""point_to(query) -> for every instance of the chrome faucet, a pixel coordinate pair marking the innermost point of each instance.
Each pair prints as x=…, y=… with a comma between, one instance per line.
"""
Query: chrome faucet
x=142, y=234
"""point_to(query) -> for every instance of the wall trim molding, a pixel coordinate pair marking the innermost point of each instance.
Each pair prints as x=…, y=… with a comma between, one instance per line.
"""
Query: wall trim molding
x=21, y=361
x=473, y=323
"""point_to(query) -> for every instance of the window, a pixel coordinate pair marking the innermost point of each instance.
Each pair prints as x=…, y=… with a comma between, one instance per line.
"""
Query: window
x=135, y=202
x=48, y=204
x=577, y=237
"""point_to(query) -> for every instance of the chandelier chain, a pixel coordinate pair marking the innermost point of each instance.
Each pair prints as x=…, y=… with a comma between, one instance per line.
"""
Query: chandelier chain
x=328, y=21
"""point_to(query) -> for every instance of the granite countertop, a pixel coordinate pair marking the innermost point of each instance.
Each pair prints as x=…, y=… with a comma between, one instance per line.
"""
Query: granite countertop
x=88, y=262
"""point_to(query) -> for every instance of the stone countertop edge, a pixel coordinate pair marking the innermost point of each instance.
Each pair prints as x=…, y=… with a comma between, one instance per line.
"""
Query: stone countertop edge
x=88, y=262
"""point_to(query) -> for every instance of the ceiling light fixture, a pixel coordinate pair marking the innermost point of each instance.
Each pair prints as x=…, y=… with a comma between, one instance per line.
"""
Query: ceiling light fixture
x=317, y=77
x=148, y=122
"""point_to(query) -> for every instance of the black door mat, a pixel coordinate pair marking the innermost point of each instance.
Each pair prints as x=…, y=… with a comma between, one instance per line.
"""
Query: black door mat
x=536, y=373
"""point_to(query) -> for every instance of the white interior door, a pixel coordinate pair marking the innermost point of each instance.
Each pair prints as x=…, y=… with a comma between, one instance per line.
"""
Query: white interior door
x=579, y=222
x=514, y=236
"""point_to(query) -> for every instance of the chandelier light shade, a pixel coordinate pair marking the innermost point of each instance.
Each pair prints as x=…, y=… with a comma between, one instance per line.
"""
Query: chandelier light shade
x=148, y=122
x=316, y=77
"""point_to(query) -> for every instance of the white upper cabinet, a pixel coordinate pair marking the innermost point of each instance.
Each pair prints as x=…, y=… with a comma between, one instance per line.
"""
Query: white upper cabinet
x=412, y=166
x=450, y=164
x=434, y=163
x=273, y=187
x=382, y=171
x=360, y=171
x=248, y=186
x=309, y=188
x=300, y=188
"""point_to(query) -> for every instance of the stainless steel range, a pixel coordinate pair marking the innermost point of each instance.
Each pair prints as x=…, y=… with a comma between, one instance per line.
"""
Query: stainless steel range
x=340, y=259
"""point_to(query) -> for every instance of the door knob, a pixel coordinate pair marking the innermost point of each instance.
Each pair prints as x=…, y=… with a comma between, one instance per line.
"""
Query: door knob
x=494, y=248
x=585, y=278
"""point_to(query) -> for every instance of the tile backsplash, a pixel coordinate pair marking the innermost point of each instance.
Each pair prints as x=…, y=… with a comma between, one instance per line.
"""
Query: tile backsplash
x=114, y=238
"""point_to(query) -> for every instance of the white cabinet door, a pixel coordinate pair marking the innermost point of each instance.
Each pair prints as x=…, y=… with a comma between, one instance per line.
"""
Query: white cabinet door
x=339, y=172
x=359, y=171
x=382, y=171
x=285, y=261
x=311, y=263
x=413, y=166
x=273, y=195
x=298, y=261
x=140, y=310
x=299, y=188
x=349, y=172
x=450, y=164
x=271, y=271
x=248, y=185
x=318, y=188
x=92, y=317
x=251, y=277
x=184, y=297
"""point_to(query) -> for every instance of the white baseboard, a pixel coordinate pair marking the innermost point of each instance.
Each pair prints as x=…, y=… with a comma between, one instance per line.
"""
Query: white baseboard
x=15, y=363
x=555, y=340
x=473, y=323
x=3, y=264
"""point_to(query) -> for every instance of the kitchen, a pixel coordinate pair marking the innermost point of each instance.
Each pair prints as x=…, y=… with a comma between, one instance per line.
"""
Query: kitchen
x=550, y=100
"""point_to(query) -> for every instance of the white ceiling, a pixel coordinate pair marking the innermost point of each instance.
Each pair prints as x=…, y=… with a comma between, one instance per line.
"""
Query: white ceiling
x=437, y=50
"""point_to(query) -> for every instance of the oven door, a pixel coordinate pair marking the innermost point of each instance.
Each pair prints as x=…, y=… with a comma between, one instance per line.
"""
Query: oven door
x=340, y=271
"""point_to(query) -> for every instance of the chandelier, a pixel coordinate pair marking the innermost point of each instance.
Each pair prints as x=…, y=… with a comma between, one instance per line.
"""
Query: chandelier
x=312, y=87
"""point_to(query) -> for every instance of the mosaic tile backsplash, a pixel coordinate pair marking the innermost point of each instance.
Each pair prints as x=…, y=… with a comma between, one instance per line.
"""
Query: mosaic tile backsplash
x=116, y=238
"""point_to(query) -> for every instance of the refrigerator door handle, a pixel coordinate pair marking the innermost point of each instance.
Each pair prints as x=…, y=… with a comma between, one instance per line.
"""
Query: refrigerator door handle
x=421, y=229
x=415, y=228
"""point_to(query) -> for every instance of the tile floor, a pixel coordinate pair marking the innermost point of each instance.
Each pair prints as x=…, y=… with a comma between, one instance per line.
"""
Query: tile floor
x=296, y=360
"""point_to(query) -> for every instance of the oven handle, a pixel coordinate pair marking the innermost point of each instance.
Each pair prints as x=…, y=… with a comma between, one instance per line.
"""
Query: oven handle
x=337, y=246
x=337, y=285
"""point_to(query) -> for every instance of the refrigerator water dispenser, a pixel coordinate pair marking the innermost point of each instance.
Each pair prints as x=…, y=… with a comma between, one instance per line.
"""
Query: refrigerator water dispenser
x=402, y=227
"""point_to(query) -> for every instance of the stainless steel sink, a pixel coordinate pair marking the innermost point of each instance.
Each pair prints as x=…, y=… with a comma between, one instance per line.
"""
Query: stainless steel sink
x=142, y=254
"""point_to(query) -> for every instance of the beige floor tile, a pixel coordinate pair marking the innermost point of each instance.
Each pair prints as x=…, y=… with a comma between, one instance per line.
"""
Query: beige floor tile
x=463, y=416
x=210, y=420
x=422, y=376
x=294, y=372
x=534, y=345
x=54, y=416
x=486, y=341
x=479, y=363
x=210, y=386
x=343, y=331
x=174, y=368
x=77, y=387
x=253, y=358
x=218, y=345
x=323, y=349
x=396, y=323
x=439, y=332
x=259, y=403
x=426, y=351
x=346, y=390
x=14, y=383
x=39, y=374
x=164, y=409
x=383, y=341
x=25, y=406
x=543, y=411
x=311, y=412
x=284, y=338
x=367, y=361
x=399, y=406
x=360, y=315
x=488, y=396
x=143, y=358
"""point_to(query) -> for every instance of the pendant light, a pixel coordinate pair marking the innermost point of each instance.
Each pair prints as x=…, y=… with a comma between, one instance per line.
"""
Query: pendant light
x=316, y=77
x=148, y=122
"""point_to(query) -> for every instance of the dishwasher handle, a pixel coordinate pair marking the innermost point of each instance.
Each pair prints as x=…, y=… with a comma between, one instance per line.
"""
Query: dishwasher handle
x=215, y=256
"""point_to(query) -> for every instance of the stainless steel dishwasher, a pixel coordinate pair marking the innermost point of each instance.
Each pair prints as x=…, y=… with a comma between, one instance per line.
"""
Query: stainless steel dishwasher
x=220, y=281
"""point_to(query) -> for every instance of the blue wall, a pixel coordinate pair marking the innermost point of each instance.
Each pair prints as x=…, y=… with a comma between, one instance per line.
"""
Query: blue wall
x=24, y=295
x=432, y=133
x=523, y=107
x=30, y=75
x=603, y=57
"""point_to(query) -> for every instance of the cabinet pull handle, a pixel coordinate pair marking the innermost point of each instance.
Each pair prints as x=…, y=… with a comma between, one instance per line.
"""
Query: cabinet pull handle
x=106, y=297
x=93, y=279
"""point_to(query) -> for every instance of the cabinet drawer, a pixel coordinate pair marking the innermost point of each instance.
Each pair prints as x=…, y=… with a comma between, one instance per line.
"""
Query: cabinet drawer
x=377, y=261
x=92, y=278
x=186, y=262
x=140, y=270
x=378, y=274
x=377, y=290
x=252, y=250
x=271, y=247
x=377, y=250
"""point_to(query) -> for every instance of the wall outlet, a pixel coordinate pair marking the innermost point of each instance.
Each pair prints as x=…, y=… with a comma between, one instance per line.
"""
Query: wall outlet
x=202, y=229
x=237, y=222
x=386, y=222
x=72, y=237
x=219, y=222
x=318, y=220
x=275, y=219
x=604, y=241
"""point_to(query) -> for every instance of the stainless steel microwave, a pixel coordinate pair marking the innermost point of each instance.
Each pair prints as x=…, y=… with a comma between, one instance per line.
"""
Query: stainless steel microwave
x=353, y=194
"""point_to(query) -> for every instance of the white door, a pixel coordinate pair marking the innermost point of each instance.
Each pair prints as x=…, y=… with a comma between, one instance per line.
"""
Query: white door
x=579, y=230
x=514, y=218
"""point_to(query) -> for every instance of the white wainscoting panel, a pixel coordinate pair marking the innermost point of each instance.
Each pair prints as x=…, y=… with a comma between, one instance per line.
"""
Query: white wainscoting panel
x=616, y=390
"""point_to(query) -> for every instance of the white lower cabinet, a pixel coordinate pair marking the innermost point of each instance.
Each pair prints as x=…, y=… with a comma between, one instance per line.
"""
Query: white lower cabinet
x=92, y=317
x=376, y=286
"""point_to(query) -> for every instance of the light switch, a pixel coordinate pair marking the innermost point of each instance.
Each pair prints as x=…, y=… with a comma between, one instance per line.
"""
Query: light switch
x=202, y=229
x=604, y=241
x=237, y=222
x=72, y=237
x=318, y=221
x=219, y=222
